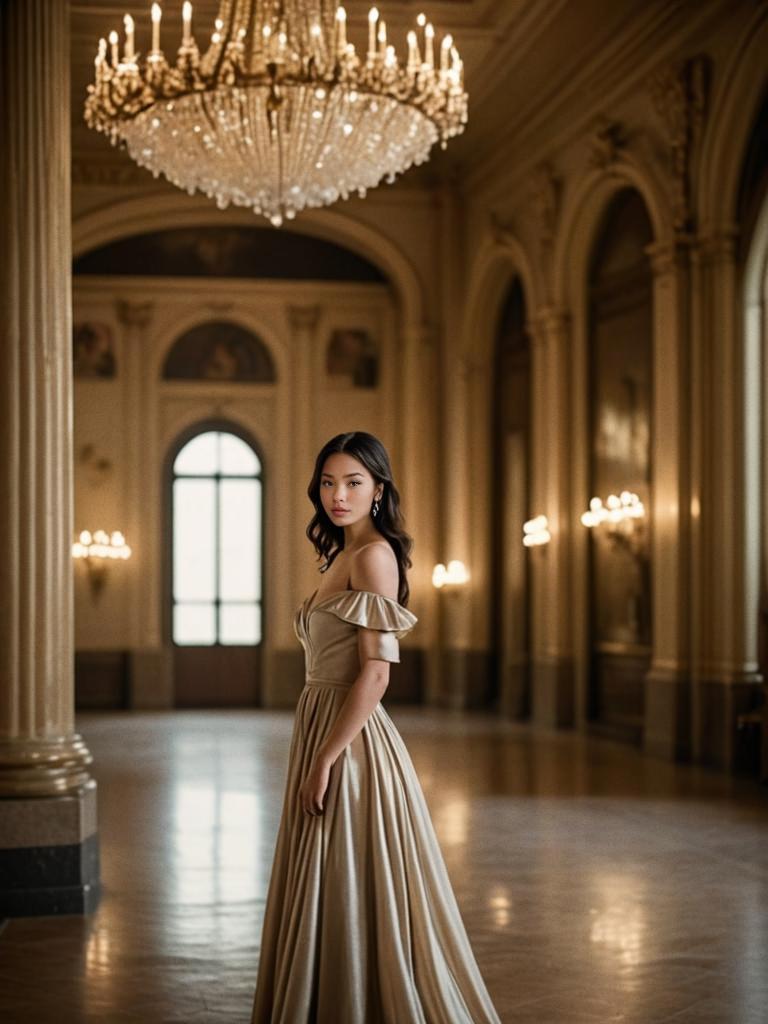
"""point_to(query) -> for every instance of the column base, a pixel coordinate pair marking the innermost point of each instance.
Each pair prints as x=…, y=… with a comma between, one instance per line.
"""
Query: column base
x=667, y=714
x=721, y=701
x=49, y=855
x=553, y=692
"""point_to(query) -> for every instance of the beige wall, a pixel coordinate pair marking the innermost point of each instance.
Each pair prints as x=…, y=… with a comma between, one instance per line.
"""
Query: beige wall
x=532, y=207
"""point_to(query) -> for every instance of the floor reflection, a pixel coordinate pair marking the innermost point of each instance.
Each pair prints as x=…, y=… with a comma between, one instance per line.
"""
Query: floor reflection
x=597, y=885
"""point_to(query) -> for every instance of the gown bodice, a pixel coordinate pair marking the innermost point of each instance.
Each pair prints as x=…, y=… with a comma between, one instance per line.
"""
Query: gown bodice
x=328, y=632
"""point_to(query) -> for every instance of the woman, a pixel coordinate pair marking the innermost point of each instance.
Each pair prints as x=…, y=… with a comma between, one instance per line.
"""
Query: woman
x=361, y=925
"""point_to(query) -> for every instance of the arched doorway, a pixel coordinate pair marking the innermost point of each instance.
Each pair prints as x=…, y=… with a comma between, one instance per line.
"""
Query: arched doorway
x=510, y=493
x=620, y=403
x=213, y=613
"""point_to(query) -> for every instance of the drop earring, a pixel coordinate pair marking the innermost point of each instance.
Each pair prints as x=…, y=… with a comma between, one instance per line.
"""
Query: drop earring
x=375, y=508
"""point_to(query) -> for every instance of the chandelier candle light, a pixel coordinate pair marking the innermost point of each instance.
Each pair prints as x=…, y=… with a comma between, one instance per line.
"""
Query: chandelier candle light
x=279, y=113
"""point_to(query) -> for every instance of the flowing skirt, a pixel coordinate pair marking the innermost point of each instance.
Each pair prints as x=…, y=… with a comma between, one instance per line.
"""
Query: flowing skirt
x=361, y=924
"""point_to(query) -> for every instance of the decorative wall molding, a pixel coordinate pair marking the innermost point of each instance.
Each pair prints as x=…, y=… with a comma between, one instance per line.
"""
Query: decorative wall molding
x=134, y=314
x=679, y=93
x=606, y=143
x=545, y=194
x=502, y=231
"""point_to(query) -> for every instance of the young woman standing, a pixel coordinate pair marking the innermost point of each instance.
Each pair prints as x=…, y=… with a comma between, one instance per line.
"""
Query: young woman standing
x=361, y=924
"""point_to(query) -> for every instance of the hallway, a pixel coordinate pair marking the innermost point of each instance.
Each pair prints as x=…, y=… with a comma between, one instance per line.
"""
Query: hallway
x=597, y=884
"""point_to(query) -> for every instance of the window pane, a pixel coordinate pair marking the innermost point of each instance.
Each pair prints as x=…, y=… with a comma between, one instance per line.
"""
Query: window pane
x=194, y=624
x=194, y=540
x=238, y=458
x=240, y=540
x=240, y=624
x=199, y=456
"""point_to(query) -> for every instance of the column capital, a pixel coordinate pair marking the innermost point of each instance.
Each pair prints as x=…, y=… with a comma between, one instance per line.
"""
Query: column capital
x=671, y=255
x=549, y=322
x=718, y=245
x=134, y=314
x=303, y=318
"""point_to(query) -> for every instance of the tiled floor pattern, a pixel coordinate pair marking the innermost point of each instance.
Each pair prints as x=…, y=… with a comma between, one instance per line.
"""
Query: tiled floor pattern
x=597, y=885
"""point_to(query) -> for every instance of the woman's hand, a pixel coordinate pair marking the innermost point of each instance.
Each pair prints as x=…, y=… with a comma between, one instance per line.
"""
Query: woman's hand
x=312, y=792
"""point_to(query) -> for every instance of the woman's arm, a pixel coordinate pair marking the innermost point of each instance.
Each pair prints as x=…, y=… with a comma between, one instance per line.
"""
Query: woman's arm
x=374, y=569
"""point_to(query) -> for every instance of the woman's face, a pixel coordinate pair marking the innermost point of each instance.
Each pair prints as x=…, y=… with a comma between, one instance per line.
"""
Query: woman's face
x=347, y=485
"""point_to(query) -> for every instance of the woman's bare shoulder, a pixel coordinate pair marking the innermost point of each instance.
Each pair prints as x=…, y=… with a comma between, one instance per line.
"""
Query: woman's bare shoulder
x=374, y=568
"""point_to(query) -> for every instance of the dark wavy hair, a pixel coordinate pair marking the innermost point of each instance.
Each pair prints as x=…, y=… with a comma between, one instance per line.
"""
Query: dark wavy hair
x=328, y=538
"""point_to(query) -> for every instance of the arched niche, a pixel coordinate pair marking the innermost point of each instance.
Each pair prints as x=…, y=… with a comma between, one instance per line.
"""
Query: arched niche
x=620, y=403
x=219, y=350
x=510, y=493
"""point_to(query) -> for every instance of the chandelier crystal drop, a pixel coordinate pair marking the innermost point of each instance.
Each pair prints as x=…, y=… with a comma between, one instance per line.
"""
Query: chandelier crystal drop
x=279, y=113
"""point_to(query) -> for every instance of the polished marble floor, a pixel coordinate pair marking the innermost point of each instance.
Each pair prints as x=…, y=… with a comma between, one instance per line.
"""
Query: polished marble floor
x=597, y=885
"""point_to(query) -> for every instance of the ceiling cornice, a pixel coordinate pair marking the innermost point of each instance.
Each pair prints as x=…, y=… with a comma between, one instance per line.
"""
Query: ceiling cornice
x=661, y=31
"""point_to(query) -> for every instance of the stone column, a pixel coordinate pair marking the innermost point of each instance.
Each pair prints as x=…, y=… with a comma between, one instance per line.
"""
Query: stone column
x=553, y=668
x=675, y=448
x=727, y=676
x=48, y=837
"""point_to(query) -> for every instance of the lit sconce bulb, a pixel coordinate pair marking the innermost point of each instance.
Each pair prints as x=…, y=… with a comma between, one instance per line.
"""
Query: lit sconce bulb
x=438, y=575
x=421, y=20
x=101, y=55
x=457, y=571
x=536, y=532
x=113, y=45
x=85, y=537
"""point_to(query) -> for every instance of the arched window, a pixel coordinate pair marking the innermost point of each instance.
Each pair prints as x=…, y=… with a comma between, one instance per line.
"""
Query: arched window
x=217, y=526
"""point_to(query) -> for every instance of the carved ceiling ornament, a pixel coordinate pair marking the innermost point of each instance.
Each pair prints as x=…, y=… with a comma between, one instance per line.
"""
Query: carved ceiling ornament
x=502, y=231
x=607, y=141
x=679, y=93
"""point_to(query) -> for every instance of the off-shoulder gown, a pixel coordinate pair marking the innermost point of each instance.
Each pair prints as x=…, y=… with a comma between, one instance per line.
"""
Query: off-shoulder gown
x=361, y=924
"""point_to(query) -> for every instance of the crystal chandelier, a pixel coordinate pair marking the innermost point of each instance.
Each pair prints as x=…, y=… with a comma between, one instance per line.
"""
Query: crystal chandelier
x=280, y=113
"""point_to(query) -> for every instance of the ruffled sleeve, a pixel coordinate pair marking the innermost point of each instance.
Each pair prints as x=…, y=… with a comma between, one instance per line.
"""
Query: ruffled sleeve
x=384, y=620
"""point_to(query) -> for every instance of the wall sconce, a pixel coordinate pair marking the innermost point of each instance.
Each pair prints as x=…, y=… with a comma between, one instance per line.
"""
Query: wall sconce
x=96, y=550
x=454, y=575
x=622, y=519
x=536, y=531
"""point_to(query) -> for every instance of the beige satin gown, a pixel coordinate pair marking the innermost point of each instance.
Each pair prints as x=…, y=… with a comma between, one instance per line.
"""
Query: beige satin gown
x=361, y=924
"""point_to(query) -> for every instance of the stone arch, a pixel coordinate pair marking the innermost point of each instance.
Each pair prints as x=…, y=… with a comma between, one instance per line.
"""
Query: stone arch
x=581, y=221
x=194, y=354
x=730, y=122
x=496, y=264
x=168, y=335
x=141, y=214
